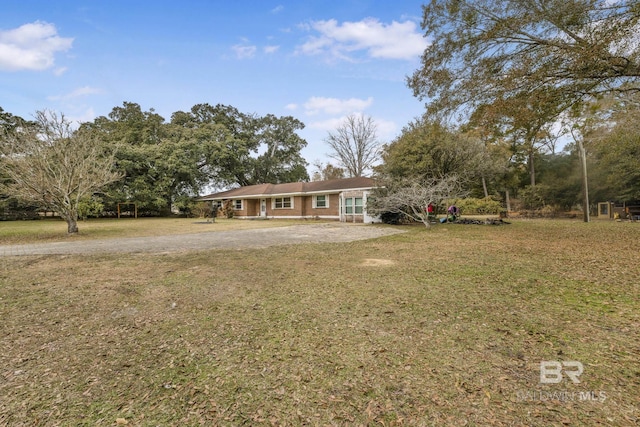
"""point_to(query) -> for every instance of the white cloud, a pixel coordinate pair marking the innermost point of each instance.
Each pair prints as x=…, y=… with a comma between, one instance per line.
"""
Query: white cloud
x=79, y=92
x=31, y=47
x=244, y=51
x=291, y=107
x=386, y=129
x=84, y=116
x=277, y=9
x=335, y=106
x=398, y=40
x=60, y=71
x=328, y=125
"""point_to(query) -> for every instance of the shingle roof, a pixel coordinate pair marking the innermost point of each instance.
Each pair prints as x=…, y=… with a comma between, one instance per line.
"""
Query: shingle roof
x=261, y=190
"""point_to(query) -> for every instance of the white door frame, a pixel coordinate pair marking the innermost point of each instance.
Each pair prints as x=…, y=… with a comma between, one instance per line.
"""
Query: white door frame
x=366, y=218
x=263, y=207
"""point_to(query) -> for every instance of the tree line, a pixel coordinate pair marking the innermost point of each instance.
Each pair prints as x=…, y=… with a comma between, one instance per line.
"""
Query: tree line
x=505, y=83
x=136, y=155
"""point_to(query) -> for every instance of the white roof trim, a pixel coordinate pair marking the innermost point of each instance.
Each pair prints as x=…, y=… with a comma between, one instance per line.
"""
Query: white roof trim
x=297, y=193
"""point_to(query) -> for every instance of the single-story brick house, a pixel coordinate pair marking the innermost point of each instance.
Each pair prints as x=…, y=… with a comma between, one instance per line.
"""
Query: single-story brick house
x=339, y=199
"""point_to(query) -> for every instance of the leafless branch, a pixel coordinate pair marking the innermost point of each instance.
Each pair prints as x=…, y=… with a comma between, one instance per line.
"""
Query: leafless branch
x=411, y=198
x=355, y=145
x=54, y=166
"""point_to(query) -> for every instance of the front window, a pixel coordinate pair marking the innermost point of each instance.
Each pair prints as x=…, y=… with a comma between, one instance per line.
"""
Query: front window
x=321, y=202
x=348, y=205
x=283, y=203
x=237, y=205
x=353, y=205
x=358, y=203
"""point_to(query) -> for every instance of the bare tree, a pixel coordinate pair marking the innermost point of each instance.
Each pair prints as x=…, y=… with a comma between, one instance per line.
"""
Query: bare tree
x=354, y=144
x=55, y=167
x=324, y=172
x=411, y=198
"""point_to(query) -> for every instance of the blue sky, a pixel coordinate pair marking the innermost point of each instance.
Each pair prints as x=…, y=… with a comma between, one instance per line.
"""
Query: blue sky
x=315, y=60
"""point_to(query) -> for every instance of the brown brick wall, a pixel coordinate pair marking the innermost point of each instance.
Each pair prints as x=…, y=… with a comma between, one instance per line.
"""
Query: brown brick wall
x=298, y=208
x=302, y=207
x=332, y=210
x=252, y=207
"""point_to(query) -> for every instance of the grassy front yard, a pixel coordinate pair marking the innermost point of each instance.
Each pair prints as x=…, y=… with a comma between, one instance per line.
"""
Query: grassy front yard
x=55, y=230
x=446, y=326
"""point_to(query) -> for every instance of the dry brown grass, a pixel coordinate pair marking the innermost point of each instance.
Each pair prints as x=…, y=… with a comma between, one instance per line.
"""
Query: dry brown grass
x=55, y=230
x=433, y=327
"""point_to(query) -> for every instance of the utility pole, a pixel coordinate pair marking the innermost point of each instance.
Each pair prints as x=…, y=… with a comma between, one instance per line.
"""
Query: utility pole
x=585, y=187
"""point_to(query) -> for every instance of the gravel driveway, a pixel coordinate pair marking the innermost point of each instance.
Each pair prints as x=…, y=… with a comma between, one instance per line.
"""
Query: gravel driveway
x=237, y=239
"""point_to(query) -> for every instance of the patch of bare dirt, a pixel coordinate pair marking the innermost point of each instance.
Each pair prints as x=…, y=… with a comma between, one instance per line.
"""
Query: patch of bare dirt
x=377, y=262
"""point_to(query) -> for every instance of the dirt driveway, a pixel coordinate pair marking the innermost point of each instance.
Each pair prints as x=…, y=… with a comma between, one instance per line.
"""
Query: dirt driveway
x=236, y=239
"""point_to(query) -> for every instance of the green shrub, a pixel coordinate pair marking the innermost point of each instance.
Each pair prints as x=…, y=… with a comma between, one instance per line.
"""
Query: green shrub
x=227, y=209
x=12, y=209
x=534, y=198
x=90, y=207
x=473, y=206
x=547, y=211
x=202, y=209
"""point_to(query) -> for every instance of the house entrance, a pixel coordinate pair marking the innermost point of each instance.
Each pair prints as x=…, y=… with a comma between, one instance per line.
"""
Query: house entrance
x=368, y=219
x=263, y=207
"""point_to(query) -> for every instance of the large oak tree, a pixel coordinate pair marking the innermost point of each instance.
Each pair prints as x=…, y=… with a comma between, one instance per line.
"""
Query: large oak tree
x=612, y=139
x=507, y=55
x=166, y=164
x=255, y=149
x=485, y=50
x=427, y=150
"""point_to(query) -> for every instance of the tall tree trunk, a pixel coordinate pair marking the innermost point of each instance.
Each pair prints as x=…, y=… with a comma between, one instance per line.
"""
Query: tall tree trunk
x=484, y=187
x=508, y=200
x=583, y=166
x=532, y=168
x=585, y=187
